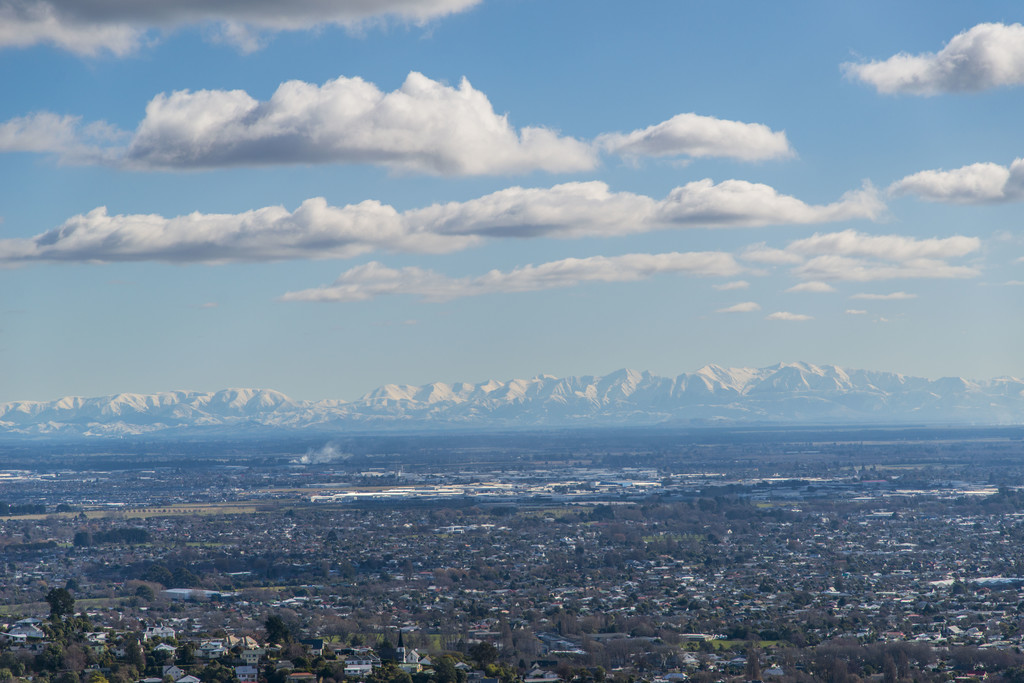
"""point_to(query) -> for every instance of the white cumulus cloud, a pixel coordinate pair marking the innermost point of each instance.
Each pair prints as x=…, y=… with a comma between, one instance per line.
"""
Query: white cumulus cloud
x=318, y=230
x=425, y=126
x=694, y=135
x=373, y=279
x=982, y=57
x=738, y=203
x=119, y=27
x=973, y=184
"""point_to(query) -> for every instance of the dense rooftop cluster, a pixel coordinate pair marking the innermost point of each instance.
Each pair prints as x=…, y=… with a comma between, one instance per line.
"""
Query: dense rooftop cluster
x=888, y=570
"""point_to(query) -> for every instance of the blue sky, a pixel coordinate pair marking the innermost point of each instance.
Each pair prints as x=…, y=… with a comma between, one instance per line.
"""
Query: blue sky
x=352, y=194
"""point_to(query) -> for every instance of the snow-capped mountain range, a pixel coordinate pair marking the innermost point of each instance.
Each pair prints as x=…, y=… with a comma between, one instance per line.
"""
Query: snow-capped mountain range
x=787, y=393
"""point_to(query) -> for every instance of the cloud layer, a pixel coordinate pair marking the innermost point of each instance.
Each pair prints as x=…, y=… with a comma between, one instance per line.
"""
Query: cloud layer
x=119, y=27
x=318, y=230
x=374, y=279
x=854, y=256
x=974, y=184
x=983, y=57
x=839, y=256
x=425, y=126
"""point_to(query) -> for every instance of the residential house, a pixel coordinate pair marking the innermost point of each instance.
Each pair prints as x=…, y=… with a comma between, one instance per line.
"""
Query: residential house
x=246, y=674
x=361, y=665
x=173, y=671
x=158, y=632
x=211, y=649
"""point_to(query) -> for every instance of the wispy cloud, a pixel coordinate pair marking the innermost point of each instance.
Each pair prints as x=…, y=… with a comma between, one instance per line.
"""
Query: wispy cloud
x=814, y=286
x=318, y=230
x=65, y=136
x=856, y=256
x=894, y=296
x=43, y=132
x=731, y=286
x=974, y=184
x=120, y=27
x=374, y=279
x=789, y=317
x=888, y=247
x=745, y=307
x=425, y=126
x=855, y=311
x=866, y=270
x=982, y=57
x=762, y=253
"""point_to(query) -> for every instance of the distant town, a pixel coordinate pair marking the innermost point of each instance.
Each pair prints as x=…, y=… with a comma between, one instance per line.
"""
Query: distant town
x=790, y=555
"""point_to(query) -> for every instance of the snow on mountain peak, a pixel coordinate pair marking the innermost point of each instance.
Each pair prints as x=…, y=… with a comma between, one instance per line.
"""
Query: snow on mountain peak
x=779, y=394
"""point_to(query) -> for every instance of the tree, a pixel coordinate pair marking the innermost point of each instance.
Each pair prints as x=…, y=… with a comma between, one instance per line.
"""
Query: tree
x=445, y=671
x=277, y=630
x=388, y=673
x=183, y=577
x=484, y=653
x=753, y=662
x=74, y=659
x=158, y=573
x=52, y=658
x=889, y=672
x=187, y=654
x=135, y=655
x=216, y=672
x=62, y=603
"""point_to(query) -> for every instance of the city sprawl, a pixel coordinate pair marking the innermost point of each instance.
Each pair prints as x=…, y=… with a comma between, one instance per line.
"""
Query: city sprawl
x=882, y=555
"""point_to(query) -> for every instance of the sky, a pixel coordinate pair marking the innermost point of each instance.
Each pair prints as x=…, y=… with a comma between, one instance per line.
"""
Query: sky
x=322, y=197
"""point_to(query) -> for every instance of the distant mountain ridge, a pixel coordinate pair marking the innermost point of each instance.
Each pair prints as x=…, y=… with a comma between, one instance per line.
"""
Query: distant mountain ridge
x=786, y=393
